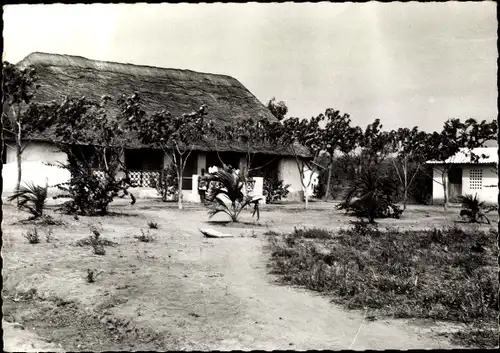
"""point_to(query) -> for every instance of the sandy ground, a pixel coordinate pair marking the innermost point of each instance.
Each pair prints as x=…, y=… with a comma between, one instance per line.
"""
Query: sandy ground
x=187, y=291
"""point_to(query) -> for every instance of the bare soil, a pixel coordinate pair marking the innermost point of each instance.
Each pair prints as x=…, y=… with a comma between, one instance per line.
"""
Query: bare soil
x=183, y=291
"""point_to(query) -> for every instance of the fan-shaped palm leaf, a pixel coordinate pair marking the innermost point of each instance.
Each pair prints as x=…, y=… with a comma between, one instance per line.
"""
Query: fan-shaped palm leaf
x=31, y=198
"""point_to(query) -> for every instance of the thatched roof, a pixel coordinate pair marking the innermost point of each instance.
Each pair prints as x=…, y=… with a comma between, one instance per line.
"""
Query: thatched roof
x=174, y=90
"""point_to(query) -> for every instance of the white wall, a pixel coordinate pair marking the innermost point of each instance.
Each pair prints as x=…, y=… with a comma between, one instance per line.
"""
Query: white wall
x=33, y=167
x=437, y=186
x=289, y=173
x=489, y=191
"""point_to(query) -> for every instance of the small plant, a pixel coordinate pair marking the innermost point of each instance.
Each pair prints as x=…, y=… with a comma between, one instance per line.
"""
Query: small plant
x=31, y=198
x=312, y=233
x=167, y=186
x=474, y=209
x=144, y=237
x=275, y=190
x=92, y=275
x=32, y=236
x=153, y=225
x=97, y=244
x=225, y=194
x=48, y=236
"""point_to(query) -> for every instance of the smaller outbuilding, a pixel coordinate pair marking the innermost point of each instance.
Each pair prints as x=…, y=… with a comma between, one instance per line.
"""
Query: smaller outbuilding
x=465, y=176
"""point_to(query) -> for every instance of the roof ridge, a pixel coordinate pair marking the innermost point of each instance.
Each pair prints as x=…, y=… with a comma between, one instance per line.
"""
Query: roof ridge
x=113, y=66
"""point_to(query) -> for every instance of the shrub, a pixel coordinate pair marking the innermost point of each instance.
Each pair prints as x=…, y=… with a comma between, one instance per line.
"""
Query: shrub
x=167, y=186
x=473, y=209
x=92, y=275
x=91, y=193
x=275, y=190
x=31, y=198
x=227, y=185
x=371, y=195
x=32, y=236
x=145, y=238
x=312, y=233
x=96, y=242
x=153, y=225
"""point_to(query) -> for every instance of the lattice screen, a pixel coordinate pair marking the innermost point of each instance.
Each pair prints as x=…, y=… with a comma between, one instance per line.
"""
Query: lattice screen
x=476, y=179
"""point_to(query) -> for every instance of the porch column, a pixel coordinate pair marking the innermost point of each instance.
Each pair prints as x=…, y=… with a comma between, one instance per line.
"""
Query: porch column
x=167, y=159
x=243, y=163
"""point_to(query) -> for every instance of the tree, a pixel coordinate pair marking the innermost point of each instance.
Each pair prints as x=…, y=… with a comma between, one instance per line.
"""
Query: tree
x=18, y=86
x=278, y=109
x=375, y=145
x=177, y=136
x=409, y=146
x=303, y=133
x=252, y=136
x=79, y=122
x=457, y=136
x=338, y=136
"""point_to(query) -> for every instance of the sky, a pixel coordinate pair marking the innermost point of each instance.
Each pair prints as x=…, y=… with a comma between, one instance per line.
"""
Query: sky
x=409, y=64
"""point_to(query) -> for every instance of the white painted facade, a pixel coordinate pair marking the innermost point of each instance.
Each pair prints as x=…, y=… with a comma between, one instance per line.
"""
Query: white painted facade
x=37, y=154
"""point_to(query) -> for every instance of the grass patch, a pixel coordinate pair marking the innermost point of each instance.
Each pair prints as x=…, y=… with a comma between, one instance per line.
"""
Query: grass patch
x=447, y=274
x=144, y=237
x=32, y=236
x=153, y=225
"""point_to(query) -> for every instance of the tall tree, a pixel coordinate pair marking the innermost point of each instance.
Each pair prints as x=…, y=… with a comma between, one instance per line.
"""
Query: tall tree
x=308, y=134
x=338, y=136
x=409, y=145
x=458, y=136
x=278, y=109
x=79, y=122
x=375, y=145
x=18, y=88
x=177, y=136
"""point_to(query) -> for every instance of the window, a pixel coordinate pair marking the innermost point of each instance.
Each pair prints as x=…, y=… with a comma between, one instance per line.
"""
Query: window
x=476, y=179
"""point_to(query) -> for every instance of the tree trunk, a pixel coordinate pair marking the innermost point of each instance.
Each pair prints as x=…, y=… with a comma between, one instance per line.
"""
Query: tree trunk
x=179, y=186
x=405, y=195
x=330, y=170
x=18, y=157
x=445, y=189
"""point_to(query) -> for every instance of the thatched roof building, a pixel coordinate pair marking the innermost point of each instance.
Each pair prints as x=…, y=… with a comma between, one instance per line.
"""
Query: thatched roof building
x=174, y=90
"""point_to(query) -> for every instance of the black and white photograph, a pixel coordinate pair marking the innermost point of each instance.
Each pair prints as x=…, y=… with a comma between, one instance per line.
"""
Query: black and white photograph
x=249, y=176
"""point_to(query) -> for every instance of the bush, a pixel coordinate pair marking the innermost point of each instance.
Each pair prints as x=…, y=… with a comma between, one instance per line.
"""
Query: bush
x=96, y=242
x=371, y=196
x=92, y=275
x=32, y=236
x=167, y=186
x=312, y=233
x=153, y=225
x=441, y=274
x=31, y=198
x=275, y=190
x=473, y=209
x=91, y=193
x=225, y=194
x=145, y=238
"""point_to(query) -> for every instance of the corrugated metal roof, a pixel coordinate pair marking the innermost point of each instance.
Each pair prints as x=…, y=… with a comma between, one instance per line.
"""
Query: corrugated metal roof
x=462, y=157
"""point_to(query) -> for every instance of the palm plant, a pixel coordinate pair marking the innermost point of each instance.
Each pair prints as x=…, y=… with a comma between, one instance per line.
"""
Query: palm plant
x=473, y=208
x=32, y=198
x=227, y=186
x=371, y=195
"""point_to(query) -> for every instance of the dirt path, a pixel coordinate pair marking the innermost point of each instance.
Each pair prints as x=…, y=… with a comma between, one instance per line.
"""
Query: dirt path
x=281, y=317
x=16, y=338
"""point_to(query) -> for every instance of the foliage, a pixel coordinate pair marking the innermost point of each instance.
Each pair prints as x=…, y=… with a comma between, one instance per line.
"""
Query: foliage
x=227, y=196
x=449, y=274
x=32, y=198
x=95, y=240
x=275, y=190
x=168, y=185
x=177, y=136
x=153, y=225
x=92, y=275
x=144, y=237
x=371, y=195
x=312, y=233
x=81, y=121
x=278, y=109
x=32, y=236
x=474, y=209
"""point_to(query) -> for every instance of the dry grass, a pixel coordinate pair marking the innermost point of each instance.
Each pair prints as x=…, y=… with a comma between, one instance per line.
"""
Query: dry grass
x=435, y=274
